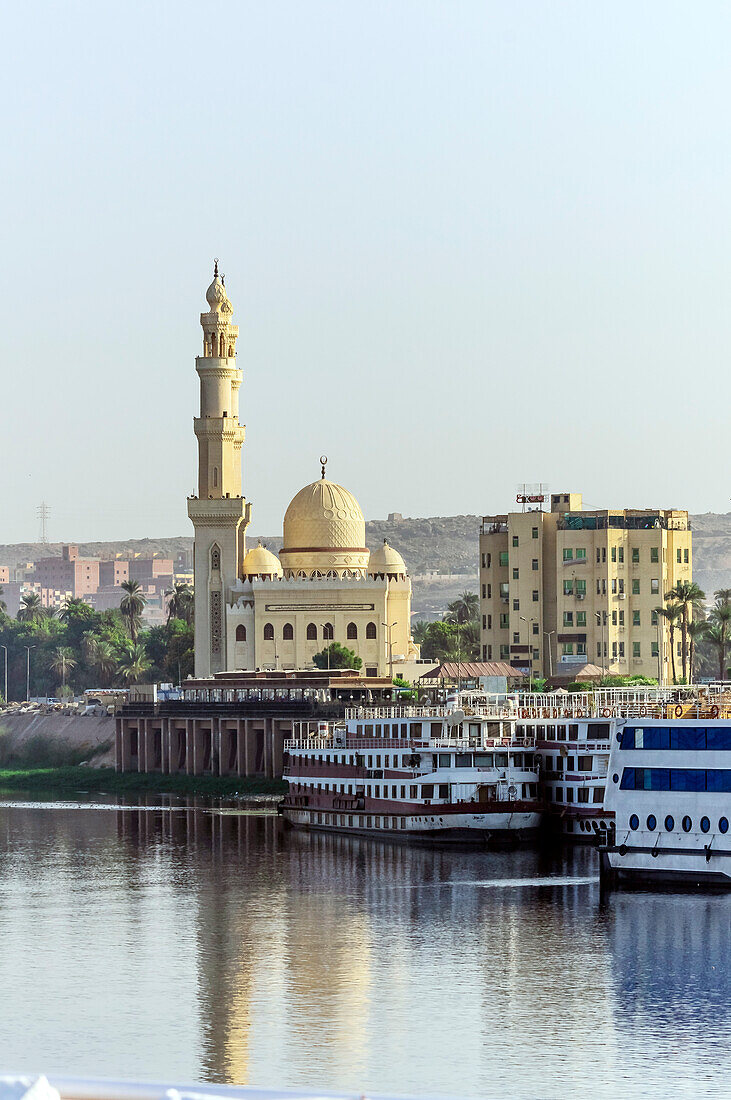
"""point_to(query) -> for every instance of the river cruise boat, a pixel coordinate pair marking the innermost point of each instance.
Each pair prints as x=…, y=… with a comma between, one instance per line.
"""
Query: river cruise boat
x=445, y=773
x=670, y=791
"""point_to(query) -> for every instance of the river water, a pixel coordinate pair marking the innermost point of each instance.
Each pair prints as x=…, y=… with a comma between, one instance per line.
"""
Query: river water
x=189, y=944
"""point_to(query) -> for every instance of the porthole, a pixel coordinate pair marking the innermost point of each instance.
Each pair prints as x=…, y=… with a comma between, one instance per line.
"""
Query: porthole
x=723, y=825
x=705, y=824
x=615, y=778
x=687, y=824
x=652, y=823
x=669, y=823
x=634, y=822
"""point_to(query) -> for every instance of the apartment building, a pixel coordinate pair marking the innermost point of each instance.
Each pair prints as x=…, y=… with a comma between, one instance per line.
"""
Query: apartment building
x=563, y=588
x=68, y=573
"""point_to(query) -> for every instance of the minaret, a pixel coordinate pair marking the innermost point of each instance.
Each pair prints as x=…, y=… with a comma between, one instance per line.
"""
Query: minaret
x=219, y=513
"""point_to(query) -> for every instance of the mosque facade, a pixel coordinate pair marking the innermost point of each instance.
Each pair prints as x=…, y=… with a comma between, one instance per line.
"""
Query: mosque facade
x=258, y=610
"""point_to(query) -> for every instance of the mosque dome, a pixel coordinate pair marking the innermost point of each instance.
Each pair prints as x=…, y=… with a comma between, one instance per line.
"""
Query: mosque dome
x=324, y=531
x=386, y=560
x=216, y=294
x=260, y=562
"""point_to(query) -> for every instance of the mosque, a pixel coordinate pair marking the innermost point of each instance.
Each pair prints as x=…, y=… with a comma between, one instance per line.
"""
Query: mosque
x=254, y=609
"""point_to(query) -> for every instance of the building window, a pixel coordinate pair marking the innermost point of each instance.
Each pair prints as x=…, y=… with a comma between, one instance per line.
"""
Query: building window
x=351, y=632
x=614, y=553
x=635, y=586
x=568, y=588
x=534, y=533
x=489, y=652
x=655, y=649
x=371, y=631
x=328, y=632
x=653, y=618
x=568, y=554
x=535, y=628
x=535, y=595
x=534, y=565
x=621, y=618
x=504, y=590
x=311, y=632
x=635, y=649
x=484, y=623
x=679, y=556
x=635, y=618
x=581, y=649
x=503, y=557
x=240, y=633
x=489, y=622
x=581, y=588
x=635, y=554
x=516, y=574
x=515, y=540
x=516, y=638
x=581, y=553
x=655, y=587
x=268, y=632
x=654, y=553
x=288, y=632
x=568, y=618
x=489, y=591
x=581, y=618
x=516, y=605
x=621, y=649
x=504, y=620
x=567, y=648
x=686, y=557
x=504, y=652
x=620, y=553
x=484, y=592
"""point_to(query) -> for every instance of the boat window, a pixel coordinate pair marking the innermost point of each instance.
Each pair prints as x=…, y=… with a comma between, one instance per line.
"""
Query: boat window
x=518, y=760
x=652, y=823
x=443, y=759
x=463, y=760
x=416, y=729
x=669, y=823
x=569, y=794
x=705, y=824
x=444, y=790
x=414, y=792
x=600, y=729
x=559, y=794
x=501, y=760
x=386, y=761
x=573, y=730
x=585, y=763
x=484, y=760
x=562, y=733
x=687, y=824
x=634, y=822
x=528, y=760
x=583, y=794
x=723, y=824
x=599, y=794
x=369, y=731
x=427, y=790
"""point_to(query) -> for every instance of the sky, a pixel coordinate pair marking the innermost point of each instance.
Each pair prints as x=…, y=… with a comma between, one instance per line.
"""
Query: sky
x=468, y=245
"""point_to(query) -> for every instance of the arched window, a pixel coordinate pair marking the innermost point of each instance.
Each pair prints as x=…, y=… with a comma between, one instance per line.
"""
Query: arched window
x=268, y=632
x=316, y=575
x=328, y=632
x=215, y=558
x=288, y=632
x=352, y=632
x=221, y=347
x=301, y=576
x=215, y=477
x=230, y=351
x=240, y=633
x=311, y=632
x=371, y=630
x=331, y=574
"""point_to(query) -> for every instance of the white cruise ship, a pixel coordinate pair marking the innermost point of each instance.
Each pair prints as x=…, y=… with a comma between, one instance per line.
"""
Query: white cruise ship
x=421, y=772
x=670, y=791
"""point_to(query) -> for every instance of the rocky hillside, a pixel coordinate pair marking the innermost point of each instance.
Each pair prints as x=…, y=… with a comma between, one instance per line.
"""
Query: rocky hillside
x=443, y=545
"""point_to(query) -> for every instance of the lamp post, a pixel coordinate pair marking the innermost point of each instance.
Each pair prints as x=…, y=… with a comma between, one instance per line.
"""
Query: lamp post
x=5, y=696
x=389, y=627
x=548, y=634
x=528, y=623
x=27, y=649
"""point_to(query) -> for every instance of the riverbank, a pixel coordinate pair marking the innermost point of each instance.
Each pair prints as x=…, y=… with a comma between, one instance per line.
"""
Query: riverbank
x=84, y=780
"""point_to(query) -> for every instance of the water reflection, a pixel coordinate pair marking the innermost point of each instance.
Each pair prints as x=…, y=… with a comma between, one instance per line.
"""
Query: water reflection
x=186, y=943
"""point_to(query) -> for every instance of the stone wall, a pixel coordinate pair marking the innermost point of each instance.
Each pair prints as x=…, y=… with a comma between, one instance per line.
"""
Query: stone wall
x=72, y=731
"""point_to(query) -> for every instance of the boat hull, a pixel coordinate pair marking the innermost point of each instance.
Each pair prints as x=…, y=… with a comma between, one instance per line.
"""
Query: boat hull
x=631, y=866
x=498, y=828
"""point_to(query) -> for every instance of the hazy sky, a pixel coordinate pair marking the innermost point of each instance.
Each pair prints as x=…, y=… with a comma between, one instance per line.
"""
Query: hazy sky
x=467, y=245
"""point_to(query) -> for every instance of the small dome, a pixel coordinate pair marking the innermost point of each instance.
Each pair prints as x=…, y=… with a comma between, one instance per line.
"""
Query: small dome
x=260, y=562
x=386, y=560
x=324, y=528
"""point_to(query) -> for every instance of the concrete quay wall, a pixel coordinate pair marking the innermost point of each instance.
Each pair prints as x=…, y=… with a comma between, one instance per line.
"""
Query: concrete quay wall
x=59, y=730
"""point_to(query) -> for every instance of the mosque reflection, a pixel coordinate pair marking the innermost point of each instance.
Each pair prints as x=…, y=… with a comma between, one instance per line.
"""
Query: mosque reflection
x=320, y=951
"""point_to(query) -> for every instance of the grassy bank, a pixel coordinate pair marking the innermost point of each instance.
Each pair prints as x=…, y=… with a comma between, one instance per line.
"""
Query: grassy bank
x=77, y=780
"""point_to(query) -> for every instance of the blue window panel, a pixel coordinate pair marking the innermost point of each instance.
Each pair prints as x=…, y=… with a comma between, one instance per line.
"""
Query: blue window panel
x=628, y=780
x=659, y=779
x=718, y=739
x=658, y=738
x=718, y=779
x=690, y=738
x=628, y=737
x=687, y=779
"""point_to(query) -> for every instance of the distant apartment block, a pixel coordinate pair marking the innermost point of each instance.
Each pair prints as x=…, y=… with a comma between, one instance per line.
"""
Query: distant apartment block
x=69, y=573
x=564, y=588
x=4, y=574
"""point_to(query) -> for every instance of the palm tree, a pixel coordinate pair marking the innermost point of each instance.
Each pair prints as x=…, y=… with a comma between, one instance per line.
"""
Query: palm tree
x=719, y=631
x=697, y=628
x=62, y=661
x=723, y=595
x=31, y=609
x=180, y=601
x=671, y=614
x=3, y=605
x=132, y=605
x=689, y=597
x=99, y=655
x=464, y=609
x=420, y=631
x=75, y=608
x=133, y=663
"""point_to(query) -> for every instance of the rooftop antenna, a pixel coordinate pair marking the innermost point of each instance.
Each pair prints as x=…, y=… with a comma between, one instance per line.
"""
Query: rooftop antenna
x=43, y=512
x=323, y=463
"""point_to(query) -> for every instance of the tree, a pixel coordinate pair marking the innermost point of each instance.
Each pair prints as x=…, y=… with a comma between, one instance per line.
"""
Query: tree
x=3, y=605
x=61, y=662
x=336, y=655
x=420, y=631
x=31, y=609
x=440, y=642
x=719, y=629
x=133, y=663
x=671, y=614
x=99, y=656
x=132, y=605
x=464, y=609
x=697, y=629
x=180, y=602
x=75, y=610
x=689, y=597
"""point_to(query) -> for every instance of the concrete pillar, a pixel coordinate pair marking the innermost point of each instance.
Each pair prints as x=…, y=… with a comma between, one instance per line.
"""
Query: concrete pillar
x=118, y=744
x=247, y=747
x=219, y=742
x=268, y=747
x=189, y=738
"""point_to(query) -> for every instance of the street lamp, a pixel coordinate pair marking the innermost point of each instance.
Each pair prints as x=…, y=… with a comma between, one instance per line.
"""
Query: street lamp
x=27, y=649
x=389, y=627
x=530, y=650
x=548, y=634
x=5, y=696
